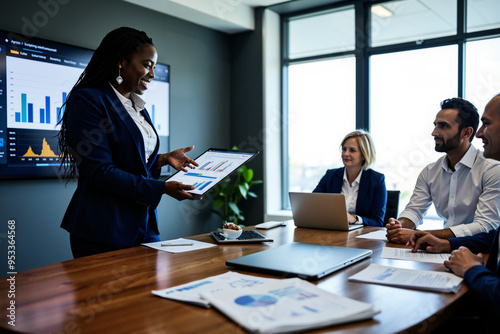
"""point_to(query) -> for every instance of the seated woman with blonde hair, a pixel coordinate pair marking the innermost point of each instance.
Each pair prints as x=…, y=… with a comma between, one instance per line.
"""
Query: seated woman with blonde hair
x=364, y=188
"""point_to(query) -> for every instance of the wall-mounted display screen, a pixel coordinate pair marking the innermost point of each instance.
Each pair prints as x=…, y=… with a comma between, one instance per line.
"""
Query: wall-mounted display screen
x=35, y=77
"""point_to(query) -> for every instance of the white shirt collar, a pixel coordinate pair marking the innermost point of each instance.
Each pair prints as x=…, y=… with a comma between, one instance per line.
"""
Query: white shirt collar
x=139, y=103
x=467, y=160
x=357, y=180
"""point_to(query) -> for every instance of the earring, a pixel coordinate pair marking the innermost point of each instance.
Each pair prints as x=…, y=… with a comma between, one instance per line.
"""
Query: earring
x=119, y=78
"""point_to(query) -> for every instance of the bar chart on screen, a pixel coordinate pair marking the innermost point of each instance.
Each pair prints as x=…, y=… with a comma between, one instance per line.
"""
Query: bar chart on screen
x=157, y=103
x=36, y=92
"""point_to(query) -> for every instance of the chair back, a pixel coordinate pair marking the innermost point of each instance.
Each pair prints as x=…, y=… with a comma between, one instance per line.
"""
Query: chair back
x=392, y=207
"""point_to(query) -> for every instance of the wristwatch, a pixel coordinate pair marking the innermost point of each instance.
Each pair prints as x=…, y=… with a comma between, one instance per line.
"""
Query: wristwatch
x=357, y=219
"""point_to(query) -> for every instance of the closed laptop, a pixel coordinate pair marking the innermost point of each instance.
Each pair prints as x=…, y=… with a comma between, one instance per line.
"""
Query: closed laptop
x=299, y=259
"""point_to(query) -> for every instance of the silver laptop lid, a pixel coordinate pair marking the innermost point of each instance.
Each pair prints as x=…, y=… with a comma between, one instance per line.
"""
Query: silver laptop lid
x=305, y=260
x=320, y=210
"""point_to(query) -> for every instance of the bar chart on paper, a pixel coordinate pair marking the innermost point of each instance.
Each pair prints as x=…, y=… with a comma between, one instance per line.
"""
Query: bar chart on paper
x=33, y=103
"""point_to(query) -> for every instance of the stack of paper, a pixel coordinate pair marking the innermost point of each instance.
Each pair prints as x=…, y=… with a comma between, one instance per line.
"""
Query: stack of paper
x=407, y=278
x=191, y=292
x=264, y=305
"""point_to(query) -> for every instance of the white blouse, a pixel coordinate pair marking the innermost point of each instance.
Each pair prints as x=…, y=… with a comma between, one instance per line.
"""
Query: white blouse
x=147, y=131
x=351, y=194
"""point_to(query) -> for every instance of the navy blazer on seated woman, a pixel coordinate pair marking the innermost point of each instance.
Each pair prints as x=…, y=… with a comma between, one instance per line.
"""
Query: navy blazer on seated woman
x=372, y=194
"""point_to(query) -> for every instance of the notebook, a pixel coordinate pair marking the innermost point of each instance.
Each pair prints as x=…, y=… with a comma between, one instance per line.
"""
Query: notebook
x=214, y=166
x=298, y=259
x=320, y=210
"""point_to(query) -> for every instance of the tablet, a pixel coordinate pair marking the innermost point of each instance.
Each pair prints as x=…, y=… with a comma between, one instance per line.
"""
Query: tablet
x=214, y=166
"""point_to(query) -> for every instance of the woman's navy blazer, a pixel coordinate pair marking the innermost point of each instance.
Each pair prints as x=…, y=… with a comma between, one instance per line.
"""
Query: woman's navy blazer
x=372, y=194
x=117, y=192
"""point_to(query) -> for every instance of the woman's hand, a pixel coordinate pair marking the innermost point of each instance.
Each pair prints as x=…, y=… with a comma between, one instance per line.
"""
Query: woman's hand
x=178, y=159
x=351, y=218
x=178, y=190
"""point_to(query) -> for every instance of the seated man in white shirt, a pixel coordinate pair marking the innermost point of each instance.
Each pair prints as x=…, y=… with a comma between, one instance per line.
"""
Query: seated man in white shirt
x=463, y=185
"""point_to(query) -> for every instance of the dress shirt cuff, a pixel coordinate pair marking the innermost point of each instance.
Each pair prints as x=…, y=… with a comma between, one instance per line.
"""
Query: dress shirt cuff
x=411, y=216
x=461, y=230
x=466, y=230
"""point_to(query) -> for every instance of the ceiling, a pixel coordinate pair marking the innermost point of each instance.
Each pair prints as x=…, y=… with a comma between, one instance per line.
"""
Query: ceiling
x=228, y=16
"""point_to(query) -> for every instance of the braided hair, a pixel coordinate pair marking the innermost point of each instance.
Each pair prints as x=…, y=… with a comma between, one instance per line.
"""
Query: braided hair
x=119, y=44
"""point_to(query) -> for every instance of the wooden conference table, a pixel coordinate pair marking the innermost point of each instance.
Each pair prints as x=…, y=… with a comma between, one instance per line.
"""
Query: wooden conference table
x=111, y=292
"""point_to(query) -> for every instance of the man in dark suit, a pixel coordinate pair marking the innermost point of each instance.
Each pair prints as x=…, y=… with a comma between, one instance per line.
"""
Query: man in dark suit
x=466, y=259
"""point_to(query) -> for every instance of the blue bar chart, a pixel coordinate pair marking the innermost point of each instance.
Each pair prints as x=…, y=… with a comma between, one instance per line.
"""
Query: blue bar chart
x=36, y=92
x=26, y=113
x=214, y=166
x=157, y=104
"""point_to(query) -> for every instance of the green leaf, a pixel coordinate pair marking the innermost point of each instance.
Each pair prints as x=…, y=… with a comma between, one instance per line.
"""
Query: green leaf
x=234, y=208
x=243, y=190
x=252, y=194
x=248, y=174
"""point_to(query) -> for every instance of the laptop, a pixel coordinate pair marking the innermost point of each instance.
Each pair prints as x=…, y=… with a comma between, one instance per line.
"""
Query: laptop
x=320, y=210
x=298, y=259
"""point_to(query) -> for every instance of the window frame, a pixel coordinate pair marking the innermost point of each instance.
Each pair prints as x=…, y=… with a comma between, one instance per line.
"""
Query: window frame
x=362, y=53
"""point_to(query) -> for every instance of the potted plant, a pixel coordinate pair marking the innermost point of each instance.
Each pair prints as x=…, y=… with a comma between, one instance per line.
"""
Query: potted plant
x=230, y=192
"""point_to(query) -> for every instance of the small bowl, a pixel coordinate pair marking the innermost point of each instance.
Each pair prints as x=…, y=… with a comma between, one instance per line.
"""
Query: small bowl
x=231, y=234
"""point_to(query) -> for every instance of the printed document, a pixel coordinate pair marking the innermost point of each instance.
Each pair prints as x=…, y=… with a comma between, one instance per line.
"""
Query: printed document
x=420, y=255
x=287, y=305
x=270, y=305
x=407, y=278
x=191, y=292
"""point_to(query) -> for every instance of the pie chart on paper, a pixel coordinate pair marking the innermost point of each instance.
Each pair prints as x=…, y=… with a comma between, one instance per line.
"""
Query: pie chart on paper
x=256, y=300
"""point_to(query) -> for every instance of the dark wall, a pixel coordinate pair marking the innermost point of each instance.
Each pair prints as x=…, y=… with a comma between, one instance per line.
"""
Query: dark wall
x=200, y=61
x=247, y=107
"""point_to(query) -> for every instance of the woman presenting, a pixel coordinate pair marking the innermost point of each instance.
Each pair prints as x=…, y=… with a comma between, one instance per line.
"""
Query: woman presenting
x=108, y=142
x=364, y=188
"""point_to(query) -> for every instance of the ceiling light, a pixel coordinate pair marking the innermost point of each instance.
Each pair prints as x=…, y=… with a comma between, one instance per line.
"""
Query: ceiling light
x=381, y=11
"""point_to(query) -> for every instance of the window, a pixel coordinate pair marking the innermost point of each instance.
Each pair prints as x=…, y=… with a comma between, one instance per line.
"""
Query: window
x=322, y=33
x=482, y=71
x=405, y=91
x=320, y=94
x=482, y=15
x=321, y=111
x=389, y=79
x=412, y=20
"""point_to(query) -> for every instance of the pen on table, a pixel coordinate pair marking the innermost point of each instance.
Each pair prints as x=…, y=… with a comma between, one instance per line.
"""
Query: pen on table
x=177, y=244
